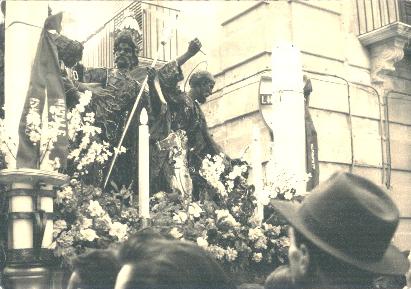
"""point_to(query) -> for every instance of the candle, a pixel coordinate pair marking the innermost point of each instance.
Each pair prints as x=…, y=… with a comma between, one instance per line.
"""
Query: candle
x=289, y=128
x=143, y=166
x=257, y=173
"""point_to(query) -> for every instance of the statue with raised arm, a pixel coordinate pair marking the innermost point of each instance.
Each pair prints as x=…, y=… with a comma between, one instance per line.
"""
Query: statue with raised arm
x=114, y=91
x=178, y=128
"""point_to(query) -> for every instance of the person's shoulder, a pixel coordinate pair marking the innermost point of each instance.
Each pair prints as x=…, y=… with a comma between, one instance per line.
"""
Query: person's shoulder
x=139, y=73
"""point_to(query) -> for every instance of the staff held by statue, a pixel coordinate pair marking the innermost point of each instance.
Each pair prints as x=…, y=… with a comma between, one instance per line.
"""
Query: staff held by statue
x=167, y=33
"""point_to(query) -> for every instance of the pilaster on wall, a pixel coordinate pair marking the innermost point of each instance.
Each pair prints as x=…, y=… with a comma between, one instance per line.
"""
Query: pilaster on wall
x=386, y=46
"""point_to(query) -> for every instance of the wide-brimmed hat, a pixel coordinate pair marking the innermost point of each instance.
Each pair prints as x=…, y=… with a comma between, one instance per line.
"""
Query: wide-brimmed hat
x=352, y=219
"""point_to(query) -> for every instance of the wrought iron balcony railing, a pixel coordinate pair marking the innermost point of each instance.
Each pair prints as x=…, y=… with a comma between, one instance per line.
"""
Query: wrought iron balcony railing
x=375, y=14
x=152, y=18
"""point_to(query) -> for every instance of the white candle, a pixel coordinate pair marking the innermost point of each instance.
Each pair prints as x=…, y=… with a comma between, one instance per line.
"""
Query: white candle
x=289, y=128
x=143, y=166
x=257, y=172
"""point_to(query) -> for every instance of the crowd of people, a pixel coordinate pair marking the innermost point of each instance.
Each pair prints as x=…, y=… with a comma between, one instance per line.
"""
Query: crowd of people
x=340, y=237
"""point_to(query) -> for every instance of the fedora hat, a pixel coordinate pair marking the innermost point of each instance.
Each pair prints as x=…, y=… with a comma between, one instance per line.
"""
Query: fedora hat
x=352, y=219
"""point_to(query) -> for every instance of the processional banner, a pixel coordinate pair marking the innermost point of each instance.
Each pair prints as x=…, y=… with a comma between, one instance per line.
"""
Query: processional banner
x=45, y=83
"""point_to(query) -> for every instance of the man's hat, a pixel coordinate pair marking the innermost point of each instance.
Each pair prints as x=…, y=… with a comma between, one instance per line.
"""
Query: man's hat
x=352, y=219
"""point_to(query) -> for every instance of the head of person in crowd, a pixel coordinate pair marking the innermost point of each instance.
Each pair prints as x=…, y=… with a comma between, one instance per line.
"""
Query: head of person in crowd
x=201, y=84
x=96, y=269
x=130, y=249
x=250, y=286
x=280, y=278
x=172, y=264
x=340, y=235
x=391, y=281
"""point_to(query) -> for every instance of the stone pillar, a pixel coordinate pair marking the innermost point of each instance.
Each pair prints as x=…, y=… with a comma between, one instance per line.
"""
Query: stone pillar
x=30, y=258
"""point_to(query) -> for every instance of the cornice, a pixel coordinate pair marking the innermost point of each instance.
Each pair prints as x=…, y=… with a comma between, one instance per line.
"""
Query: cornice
x=396, y=29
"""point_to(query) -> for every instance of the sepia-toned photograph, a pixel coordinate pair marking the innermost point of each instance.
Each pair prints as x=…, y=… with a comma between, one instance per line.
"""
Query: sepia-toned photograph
x=205, y=144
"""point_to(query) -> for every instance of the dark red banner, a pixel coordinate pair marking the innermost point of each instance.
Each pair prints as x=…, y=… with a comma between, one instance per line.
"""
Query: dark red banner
x=45, y=80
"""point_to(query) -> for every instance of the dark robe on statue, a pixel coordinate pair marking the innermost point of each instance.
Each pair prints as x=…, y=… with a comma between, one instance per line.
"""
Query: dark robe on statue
x=183, y=113
x=111, y=114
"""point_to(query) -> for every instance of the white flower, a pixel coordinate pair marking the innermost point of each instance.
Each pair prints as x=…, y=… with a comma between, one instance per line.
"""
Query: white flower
x=231, y=254
x=180, y=217
x=121, y=150
x=230, y=185
x=257, y=257
x=88, y=234
x=261, y=243
x=226, y=217
x=288, y=195
x=195, y=210
x=95, y=209
x=211, y=170
x=255, y=233
x=58, y=226
x=160, y=195
x=176, y=233
x=273, y=194
x=118, y=230
x=236, y=172
x=202, y=242
x=87, y=223
x=217, y=251
x=65, y=193
x=235, y=209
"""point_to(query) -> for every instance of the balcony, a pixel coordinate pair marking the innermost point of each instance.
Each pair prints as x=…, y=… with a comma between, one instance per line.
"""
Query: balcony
x=152, y=18
x=378, y=20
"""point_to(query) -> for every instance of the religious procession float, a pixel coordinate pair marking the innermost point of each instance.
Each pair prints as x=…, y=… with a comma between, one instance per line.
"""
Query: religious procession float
x=102, y=155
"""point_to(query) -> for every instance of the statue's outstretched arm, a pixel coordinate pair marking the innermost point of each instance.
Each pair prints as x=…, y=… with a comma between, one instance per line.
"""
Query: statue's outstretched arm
x=193, y=47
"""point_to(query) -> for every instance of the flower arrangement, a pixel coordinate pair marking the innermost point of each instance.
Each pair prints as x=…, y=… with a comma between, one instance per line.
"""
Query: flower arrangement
x=89, y=217
x=222, y=220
